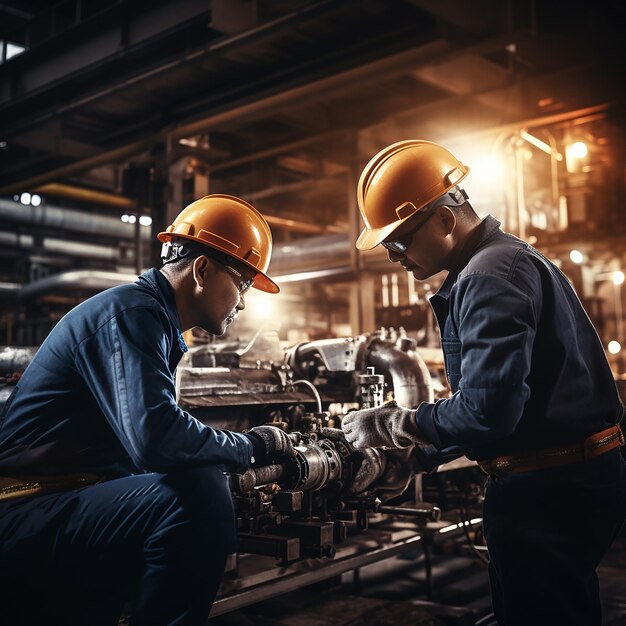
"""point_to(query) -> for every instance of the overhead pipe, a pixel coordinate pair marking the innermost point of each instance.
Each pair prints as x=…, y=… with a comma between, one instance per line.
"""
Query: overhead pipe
x=50, y=216
x=312, y=259
x=86, y=195
x=92, y=280
x=60, y=246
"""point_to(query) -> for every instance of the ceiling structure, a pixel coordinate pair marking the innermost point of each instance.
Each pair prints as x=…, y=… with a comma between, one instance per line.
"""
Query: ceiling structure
x=133, y=106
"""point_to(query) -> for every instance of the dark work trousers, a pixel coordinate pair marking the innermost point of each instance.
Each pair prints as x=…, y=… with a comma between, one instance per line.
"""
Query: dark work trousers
x=546, y=532
x=158, y=541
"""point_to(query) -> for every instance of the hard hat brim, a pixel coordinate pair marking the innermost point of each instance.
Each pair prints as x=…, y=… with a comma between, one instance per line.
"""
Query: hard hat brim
x=370, y=238
x=262, y=281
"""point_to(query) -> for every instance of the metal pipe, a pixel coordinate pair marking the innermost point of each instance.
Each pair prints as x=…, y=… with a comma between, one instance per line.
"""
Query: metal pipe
x=80, y=249
x=405, y=372
x=424, y=511
x=86, y=195
x=61, y=246
x=300, y=227
x=16, y=240
x=50, y=216
x=82, y=279
x=252, y=477
x=313, y=253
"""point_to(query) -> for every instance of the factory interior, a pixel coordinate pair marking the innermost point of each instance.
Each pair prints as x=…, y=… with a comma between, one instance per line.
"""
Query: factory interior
x=116, y=114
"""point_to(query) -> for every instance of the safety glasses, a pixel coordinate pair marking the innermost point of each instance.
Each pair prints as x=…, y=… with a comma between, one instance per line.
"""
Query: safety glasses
x=400, y=243
x=243, y=282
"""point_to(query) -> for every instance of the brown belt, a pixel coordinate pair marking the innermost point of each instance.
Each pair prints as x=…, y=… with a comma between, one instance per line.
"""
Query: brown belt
x=24, y=486
x=593, y=446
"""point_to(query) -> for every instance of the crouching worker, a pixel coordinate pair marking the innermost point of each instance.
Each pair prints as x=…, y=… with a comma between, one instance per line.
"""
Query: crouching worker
x=110, y=492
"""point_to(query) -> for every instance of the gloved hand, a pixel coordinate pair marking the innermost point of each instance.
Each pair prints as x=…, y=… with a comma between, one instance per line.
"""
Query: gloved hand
x=371, y=463
x=386, y=426
x=400, y=469
x=269, y=444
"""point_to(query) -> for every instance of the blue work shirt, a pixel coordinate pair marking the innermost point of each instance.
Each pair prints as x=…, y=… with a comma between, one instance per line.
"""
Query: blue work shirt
x=99, y=395
x=525, y=364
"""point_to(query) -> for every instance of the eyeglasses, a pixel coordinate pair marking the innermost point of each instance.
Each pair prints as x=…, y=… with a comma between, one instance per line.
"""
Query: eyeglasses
x=400, y=244
x=243, y=283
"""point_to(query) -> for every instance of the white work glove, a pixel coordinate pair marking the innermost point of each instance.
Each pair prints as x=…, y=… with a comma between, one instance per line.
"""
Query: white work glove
x=386, y=426
x=371, y=463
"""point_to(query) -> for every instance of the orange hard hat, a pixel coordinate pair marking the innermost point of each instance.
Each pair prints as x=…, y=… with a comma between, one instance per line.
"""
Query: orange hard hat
x=232, y=226
x=399, y=181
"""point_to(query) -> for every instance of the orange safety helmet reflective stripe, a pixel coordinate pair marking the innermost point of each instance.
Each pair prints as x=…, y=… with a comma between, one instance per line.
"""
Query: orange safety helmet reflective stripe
x=401, y=180
x=232, y=226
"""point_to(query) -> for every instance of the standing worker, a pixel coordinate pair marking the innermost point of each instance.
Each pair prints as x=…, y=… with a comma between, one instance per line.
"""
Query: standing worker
x=109, y=491
x=534, y=400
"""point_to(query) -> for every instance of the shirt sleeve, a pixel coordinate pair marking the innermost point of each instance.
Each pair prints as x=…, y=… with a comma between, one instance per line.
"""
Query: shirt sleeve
x=125, y=365
x=496, y=325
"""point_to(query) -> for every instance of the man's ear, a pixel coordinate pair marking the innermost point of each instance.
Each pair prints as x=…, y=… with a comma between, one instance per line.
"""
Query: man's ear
x=447, y=218
x=201, y=270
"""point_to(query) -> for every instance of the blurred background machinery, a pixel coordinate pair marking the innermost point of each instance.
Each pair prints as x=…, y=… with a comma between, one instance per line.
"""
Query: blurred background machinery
x=115, y=114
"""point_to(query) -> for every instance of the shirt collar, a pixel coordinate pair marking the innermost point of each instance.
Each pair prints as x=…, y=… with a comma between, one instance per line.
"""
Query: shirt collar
x=484, y=231
x=164, y=293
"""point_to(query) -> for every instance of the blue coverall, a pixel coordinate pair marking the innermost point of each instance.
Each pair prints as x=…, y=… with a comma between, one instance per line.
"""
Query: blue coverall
x=99, y=398
x=528, y=371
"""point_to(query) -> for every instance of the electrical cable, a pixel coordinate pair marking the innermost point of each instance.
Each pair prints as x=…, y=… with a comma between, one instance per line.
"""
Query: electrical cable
x=316, y=394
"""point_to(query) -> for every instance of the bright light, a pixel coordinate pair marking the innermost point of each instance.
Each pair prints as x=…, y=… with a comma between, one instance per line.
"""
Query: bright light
x=145, y=220
x=25, y=198
x=578, y=150
x=447, y=529
x=618, y=278
x=576, y=256
x=132, y=219
x=488, y=169
x=35, y=200
x=614, y=347
x=124, y=218
x=261, y=306
x=542, y=145
x=13, y=49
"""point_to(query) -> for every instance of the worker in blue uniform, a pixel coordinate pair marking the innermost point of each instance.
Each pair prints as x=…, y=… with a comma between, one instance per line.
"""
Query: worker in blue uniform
x=109, y=491
x=533, y=398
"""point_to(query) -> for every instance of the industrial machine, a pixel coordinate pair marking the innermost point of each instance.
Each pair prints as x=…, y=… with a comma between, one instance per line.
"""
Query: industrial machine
x=309, y=519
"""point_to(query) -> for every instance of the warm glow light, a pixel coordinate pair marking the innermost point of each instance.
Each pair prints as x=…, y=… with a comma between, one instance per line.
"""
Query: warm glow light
x=487, y=169
x=614, y=347
x=576, y=256
x=260, y=305
x=578, y=150
x=618, y=278
x=145, y=220
x=542, y=145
